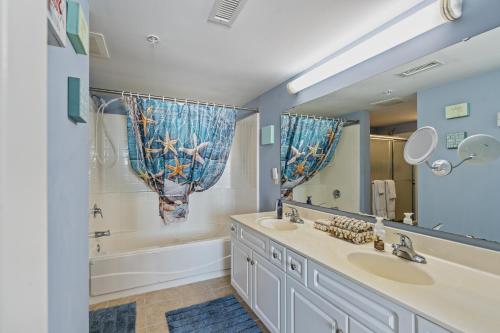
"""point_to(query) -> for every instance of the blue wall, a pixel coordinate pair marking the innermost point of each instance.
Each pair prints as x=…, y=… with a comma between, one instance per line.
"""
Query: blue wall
x=67, y=196
x=471, y=192
x=479, y=16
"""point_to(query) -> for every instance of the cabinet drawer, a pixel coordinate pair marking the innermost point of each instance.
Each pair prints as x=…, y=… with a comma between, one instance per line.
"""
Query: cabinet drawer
x=255, y=241
x=296, y=266
x=425, y=326
x=369, y=309
x=277, y=254
x=233, y=230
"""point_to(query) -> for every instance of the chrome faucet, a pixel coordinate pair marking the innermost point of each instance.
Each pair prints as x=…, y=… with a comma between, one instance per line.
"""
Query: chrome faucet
x=405, y=250
x=293, y=216
x=96, y=211
x=99, y=234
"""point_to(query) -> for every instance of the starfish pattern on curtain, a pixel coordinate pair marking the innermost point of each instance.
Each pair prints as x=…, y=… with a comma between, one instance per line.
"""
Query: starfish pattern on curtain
x=178, y=148
x=307, y=146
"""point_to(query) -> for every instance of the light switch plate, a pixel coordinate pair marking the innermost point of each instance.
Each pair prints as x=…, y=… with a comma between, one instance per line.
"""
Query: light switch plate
x=456, y=110
x=498, y=119
x=454, y=139
x=267, y=135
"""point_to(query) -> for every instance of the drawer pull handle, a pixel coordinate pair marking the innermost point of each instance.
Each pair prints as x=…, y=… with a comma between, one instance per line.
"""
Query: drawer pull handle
x=275, y=255
x=252, y=262
x=293, y=267
x=339, y=330
x=233, y=228
x=248, y=259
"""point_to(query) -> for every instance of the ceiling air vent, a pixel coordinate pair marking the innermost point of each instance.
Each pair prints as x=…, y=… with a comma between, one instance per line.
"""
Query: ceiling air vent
x=225, y=11
x=387, y=102
x=420, y=69
x=97, y=45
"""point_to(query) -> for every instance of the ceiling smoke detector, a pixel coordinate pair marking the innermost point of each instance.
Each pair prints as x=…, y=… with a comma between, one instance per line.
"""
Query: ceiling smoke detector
x=225, y=11
x=153, y=40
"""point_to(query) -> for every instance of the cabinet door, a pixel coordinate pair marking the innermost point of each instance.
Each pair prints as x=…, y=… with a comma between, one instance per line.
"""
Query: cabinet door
x=357, y=327
x=241, y=270
x=268, y=296
x=307, y=313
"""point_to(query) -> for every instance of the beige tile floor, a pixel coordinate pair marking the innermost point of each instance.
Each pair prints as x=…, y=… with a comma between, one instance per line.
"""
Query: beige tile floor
x=151, y=307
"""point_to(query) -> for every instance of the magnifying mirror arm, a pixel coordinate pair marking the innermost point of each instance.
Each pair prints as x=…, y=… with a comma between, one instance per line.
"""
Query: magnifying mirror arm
x=444, y=167
x=464, y=160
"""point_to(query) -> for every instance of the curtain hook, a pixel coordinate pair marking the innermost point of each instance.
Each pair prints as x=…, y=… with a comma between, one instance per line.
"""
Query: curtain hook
x=123, y=92
x=149, y=97
x=175, y=100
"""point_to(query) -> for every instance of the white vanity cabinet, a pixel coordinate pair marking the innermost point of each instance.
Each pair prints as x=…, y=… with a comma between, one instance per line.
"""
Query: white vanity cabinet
x=258, y=281
x=241, y=270
x=294, y=294
x=307, y=312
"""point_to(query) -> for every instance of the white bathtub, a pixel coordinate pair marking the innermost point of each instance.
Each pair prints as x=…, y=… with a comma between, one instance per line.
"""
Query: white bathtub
x=136, y=260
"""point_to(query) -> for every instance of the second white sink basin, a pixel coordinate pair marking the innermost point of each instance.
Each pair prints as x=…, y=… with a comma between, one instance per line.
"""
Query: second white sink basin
x=276, y=224
x=392, y=268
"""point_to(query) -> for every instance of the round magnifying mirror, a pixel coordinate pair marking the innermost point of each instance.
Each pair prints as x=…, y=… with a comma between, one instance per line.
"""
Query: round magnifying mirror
x=482, y=148
x=421, y=145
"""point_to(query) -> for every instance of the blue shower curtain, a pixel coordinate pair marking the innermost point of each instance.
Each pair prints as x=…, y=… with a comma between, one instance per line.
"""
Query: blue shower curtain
x=307, y=145
x=178, y=148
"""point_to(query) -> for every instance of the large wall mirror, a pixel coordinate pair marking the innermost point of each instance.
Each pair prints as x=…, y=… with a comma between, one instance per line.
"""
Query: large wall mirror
x=346, y=150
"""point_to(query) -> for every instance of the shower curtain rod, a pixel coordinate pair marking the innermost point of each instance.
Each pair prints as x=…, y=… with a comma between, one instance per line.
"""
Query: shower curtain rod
x=128, y=93
x=346, y=122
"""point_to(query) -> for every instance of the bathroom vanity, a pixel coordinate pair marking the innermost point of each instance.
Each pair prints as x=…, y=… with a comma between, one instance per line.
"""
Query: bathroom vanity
x=299, y=279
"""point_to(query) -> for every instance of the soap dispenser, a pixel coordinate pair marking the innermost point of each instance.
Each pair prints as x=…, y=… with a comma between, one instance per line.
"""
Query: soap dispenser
x=279, y=209
x=379, y=234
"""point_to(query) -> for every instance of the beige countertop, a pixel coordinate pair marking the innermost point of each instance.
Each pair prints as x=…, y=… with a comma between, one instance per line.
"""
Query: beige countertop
x=461, y=298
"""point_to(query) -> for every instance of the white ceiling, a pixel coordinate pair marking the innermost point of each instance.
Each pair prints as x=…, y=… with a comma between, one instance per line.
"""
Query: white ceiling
x=395, y=114
x=270, y=41
x=477, y=55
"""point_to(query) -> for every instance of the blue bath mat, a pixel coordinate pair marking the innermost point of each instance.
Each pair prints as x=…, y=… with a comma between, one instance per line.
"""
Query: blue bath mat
x=117, y=319
x=220, y=315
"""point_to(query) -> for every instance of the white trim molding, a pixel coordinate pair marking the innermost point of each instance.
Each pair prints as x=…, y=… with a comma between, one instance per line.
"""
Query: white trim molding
x=23, y=166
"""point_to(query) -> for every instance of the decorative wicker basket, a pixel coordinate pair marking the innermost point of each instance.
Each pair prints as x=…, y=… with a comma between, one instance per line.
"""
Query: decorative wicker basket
x=347, y=228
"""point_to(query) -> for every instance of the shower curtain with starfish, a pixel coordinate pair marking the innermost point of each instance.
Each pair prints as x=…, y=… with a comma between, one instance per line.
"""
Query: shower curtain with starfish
x=178, y=148
x=307, y=145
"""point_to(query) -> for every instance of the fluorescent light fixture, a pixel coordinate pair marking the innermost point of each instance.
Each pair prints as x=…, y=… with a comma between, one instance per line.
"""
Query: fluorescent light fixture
x=429, y=17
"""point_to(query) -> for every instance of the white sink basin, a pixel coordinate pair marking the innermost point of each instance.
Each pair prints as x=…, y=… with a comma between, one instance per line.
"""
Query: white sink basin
x=391, y=268
x=275, y=224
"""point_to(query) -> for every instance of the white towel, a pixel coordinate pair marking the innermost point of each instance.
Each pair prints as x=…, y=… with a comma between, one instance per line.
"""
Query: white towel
x=379, y=205
x=390, y=195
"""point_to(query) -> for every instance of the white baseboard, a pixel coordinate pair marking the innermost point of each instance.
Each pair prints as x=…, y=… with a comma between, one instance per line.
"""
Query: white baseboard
x=158, y=286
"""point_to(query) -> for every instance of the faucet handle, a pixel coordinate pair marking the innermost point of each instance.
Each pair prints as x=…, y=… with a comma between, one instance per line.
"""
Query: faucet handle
x=404, y=240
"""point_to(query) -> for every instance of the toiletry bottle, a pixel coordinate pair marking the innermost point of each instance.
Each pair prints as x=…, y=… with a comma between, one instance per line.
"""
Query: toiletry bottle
x=309, y=200
x=379, y=234
x=408, y=220
x=279, y=209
